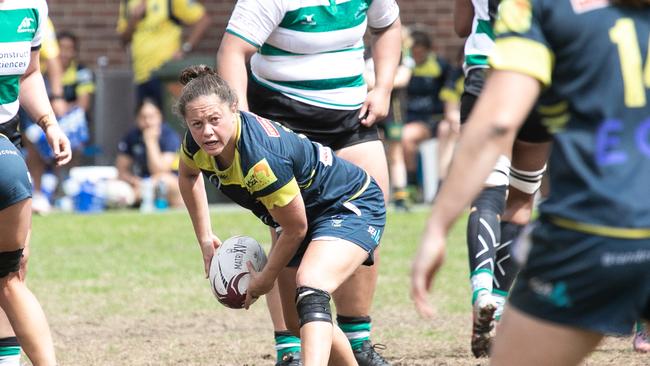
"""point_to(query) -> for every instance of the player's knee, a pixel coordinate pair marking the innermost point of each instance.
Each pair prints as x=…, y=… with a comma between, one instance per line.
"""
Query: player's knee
x=313, y=305
x=526, y=181
x=10, y=262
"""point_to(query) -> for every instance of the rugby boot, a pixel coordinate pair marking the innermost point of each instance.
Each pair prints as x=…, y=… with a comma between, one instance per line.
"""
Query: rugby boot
x=367, y=355
x=482, y=325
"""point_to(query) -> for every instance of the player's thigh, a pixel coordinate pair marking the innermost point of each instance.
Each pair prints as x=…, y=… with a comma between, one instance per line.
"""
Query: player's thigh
x=524, y=340
x=371, y=157
x=328, y=263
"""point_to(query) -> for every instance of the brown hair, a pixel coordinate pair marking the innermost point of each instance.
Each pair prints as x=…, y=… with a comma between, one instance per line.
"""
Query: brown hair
x=632, y=3
x=201, y=80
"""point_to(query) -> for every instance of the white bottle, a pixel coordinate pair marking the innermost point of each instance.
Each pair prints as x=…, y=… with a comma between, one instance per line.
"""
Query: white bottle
x=147, y=194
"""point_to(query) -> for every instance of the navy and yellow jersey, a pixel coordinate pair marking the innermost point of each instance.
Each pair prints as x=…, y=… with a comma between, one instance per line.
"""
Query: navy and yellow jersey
x=424, y=87
x=158, y=35
x=454, y=85
x=273, y=165
x=77, y=80
x=595, y=61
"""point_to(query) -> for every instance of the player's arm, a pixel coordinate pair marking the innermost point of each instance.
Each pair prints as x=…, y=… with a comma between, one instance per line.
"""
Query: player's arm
x=129, y=19
x=33, y=97
x=190, y=183
x=232, y=57
x=499, y=112
x=386, y=51
x=293, y=220
x=463, y=17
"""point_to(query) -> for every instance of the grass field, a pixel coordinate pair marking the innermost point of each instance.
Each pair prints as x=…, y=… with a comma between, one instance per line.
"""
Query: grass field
x=127, y=289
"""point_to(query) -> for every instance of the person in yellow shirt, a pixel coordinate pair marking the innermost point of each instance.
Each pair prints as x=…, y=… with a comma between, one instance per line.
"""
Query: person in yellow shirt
x=153, y=29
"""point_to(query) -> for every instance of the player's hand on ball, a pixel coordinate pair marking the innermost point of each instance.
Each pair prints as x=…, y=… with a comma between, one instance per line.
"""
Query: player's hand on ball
x=257, y=286
x=427, y=262
x=208, y=247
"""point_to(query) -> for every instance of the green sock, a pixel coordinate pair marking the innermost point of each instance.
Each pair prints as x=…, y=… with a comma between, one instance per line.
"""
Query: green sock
x=356, y=328
x=9, y=352
x=286, y=342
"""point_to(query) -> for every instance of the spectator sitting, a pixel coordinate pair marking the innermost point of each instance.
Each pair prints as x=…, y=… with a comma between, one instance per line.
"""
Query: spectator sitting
x=150, y=150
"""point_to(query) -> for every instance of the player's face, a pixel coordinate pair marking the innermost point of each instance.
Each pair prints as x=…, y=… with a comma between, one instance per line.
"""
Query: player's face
x=211, y=123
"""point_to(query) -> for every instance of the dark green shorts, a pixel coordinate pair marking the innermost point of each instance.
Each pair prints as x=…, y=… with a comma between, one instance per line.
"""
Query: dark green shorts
x=15, y=184
x=584, y=281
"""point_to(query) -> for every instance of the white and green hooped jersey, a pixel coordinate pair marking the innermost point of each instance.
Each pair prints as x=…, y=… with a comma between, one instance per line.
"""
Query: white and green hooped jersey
x=311, y=50
x=480, y=42
x=21, y=22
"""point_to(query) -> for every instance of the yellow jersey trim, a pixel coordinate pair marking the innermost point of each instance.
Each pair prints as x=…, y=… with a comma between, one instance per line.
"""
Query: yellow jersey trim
x=282, y=196
x=525, y=56
x=360, y=191
x=601, y=230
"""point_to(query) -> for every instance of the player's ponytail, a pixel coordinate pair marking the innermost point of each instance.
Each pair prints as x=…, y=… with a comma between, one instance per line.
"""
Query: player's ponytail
x=201, y=80
x=192, y=72
x=632, y=3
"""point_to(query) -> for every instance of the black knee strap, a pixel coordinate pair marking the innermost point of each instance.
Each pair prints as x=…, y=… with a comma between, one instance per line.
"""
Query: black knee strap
x=313, y=305
x=10, y=262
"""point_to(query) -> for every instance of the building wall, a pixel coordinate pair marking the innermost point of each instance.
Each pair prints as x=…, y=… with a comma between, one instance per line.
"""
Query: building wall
x=94, y=22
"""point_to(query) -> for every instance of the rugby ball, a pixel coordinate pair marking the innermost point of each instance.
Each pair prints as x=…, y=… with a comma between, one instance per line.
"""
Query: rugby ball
x=229, y=274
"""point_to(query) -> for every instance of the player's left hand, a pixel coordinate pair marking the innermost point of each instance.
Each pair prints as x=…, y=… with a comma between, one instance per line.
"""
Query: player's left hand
x=258, y=285
x=375, y=108
x=427, y=262
x=59, y=143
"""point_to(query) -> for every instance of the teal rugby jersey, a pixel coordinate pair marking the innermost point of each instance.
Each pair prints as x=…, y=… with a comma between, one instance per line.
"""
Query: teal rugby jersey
x=594, y=59
x=272, y=165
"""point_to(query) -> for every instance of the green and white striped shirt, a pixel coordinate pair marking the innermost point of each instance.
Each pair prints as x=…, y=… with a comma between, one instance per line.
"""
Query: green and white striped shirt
x=480, y=42
x=21, y=22
x=311, y=50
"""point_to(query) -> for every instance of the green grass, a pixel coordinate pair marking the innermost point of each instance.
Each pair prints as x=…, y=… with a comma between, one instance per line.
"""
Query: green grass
x=123, y=288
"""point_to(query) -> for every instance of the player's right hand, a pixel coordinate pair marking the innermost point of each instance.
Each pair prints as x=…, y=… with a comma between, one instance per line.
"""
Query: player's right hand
x=427, y=262
x=208, y=248
x=59, y=143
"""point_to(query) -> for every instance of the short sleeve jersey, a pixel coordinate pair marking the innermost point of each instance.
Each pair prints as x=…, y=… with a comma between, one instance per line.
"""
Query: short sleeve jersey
x=453, y=88
x=594, y=59
x=158, y=35
x=132, y=144
x=273, y=165
x=311, y=50
x=21, y=31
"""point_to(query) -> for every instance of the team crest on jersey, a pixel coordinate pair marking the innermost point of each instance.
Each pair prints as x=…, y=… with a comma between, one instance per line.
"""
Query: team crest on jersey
x=27, y=25
x=259, y=176
x=268, y=126
x=514, y=16
x=582, y=6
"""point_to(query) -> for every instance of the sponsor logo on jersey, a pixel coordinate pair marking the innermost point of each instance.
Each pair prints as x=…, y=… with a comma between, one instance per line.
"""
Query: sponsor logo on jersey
x=268, y=126
x=581, y=6
x=308, y=19
x=325, y=155
x=259, y=176
x=514, y=16
x=27, y=25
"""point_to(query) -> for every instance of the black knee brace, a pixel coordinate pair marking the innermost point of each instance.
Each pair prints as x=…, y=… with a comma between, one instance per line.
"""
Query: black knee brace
x=10, y=262
x=313, y=305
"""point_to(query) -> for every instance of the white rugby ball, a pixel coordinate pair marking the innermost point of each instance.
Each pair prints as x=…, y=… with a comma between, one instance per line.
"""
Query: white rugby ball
x=229, y=274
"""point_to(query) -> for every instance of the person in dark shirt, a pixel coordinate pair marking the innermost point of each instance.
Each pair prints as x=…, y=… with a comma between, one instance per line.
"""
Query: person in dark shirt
x=150, y=151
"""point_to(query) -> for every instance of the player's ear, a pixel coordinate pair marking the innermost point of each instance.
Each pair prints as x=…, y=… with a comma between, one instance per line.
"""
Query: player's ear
x=233, y=107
